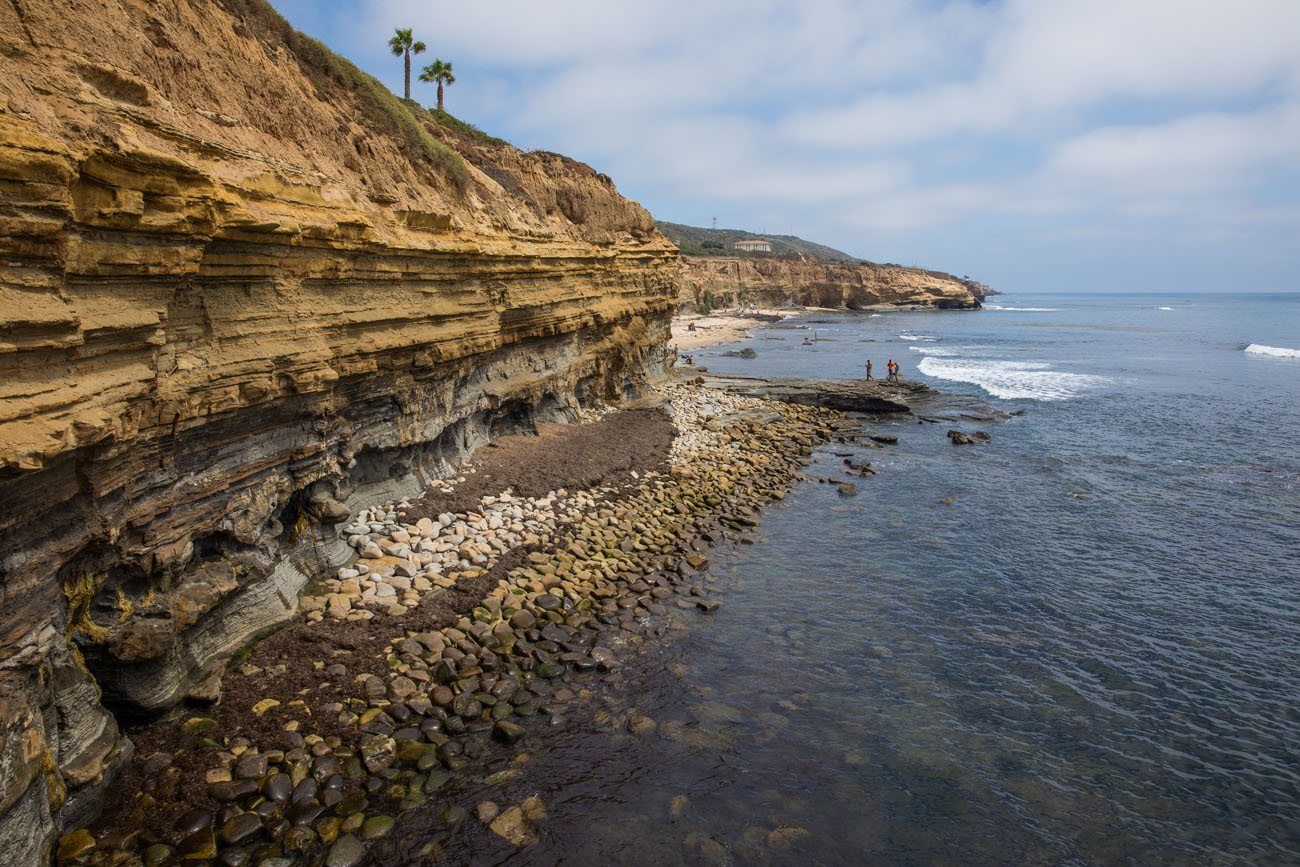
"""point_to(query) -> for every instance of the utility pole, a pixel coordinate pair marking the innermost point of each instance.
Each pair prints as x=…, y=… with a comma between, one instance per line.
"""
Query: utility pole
x=715, y=224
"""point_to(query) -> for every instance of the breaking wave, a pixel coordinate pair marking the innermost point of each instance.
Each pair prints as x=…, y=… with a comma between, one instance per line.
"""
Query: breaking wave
x=1022, y=309
x=1272, y=351
x=907, y=335
x=936, y=351
x=1164, y=308
x=1012, y=380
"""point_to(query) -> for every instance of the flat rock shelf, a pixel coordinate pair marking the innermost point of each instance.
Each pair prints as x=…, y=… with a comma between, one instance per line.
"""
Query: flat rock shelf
x=873, y=396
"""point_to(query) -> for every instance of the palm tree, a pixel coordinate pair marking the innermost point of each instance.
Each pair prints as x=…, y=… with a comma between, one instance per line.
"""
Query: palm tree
x=403, y=45
x=440, y=73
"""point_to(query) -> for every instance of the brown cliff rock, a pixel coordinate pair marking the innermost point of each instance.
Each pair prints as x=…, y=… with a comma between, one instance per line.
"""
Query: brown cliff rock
x=237, y=282
x=778, y=282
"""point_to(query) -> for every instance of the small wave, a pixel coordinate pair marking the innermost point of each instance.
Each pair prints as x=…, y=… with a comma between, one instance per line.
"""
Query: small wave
x=874, y=316
x=1022, y=309
x=1272, y=351
x=1164, y=308
x=1012, y=379
x=937, y=351
x=907, y=335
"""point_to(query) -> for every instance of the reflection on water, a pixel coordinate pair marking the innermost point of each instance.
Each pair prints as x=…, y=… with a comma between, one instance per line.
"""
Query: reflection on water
x=1079, y=644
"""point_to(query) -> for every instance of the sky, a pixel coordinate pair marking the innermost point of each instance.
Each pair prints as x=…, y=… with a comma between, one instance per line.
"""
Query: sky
x=1037, y=145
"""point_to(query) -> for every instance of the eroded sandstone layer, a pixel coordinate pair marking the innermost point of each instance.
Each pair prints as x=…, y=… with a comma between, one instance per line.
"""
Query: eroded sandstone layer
x=239, y=285
x=776, y=282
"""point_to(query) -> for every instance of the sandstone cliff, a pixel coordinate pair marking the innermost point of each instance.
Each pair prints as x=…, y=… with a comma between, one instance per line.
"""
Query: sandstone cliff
x=727, y=281
x=238, y=282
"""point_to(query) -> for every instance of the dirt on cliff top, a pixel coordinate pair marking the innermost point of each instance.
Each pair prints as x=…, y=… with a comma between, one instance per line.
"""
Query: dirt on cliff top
x=282, y=666
x=230, y=90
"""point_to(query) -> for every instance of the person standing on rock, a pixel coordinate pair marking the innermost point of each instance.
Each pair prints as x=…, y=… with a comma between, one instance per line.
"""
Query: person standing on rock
x=868, y=368
x=897, y=378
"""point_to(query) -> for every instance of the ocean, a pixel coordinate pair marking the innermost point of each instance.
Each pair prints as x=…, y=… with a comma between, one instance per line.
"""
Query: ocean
x=1078, y=644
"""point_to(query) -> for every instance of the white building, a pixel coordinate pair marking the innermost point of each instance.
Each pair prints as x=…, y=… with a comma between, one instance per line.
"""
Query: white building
x=754, y=246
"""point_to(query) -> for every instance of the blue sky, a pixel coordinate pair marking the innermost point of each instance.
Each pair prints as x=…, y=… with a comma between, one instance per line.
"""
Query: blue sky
x=1084, y=145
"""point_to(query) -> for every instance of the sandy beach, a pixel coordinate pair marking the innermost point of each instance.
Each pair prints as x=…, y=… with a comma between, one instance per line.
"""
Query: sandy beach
x=714, y=328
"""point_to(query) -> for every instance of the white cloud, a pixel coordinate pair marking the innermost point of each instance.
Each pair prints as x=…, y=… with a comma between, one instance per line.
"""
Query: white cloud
x=1188, y=156
x=1050, y=61
x=840, y=118
x=687, y=53
x=923, y=207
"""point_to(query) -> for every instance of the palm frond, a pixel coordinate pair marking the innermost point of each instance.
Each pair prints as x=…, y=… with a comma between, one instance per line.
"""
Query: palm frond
x=400, y=41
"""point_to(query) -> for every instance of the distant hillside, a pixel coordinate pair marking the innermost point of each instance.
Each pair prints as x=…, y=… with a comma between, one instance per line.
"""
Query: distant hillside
x=695, y=241
x=698, y=242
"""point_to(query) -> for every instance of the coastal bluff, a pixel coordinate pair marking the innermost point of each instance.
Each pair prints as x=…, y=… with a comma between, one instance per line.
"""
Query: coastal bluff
x=241, y=287
x=807, y=281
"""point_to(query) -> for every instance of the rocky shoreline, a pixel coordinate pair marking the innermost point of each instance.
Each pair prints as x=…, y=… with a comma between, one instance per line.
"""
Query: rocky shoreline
x=452, y=635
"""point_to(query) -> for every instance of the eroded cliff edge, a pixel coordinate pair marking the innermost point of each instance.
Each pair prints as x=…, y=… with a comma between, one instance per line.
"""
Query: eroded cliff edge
x=724, y=281
x=237, y=284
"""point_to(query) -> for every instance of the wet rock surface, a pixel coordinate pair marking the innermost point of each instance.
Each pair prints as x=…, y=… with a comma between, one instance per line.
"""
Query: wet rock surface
x=867, y=396
x=961, y=438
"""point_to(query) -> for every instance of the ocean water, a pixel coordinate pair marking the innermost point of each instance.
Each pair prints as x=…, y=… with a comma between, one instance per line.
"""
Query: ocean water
x=1079, y=644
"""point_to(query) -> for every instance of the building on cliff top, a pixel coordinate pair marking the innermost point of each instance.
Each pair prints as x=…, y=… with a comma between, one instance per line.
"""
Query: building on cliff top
x=754, y=246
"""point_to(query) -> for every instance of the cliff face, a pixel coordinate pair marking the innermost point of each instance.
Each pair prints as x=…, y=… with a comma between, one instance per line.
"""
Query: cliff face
x=236, y=289
x=777, y=282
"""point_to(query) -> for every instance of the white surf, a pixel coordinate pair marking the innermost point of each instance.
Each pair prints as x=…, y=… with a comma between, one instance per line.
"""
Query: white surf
x=1272, y=351
x=1012, y=380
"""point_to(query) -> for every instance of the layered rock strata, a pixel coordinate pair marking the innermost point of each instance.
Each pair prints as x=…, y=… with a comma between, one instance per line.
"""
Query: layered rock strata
x=777, y=282
x=237, y=287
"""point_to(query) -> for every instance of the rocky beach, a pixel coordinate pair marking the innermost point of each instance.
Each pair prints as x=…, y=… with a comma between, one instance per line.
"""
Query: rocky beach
x=467, y=624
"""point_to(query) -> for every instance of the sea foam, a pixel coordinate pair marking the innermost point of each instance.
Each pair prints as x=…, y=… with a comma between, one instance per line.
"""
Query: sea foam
x=1022, y=309
x=1010, y=380
x=935, y=351
x=1272, y=351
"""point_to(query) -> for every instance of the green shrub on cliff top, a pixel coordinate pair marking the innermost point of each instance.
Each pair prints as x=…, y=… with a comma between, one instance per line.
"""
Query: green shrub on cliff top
x=380, y=105
x=448, y=121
